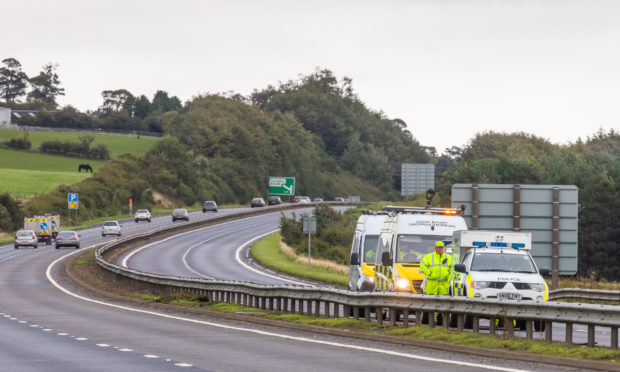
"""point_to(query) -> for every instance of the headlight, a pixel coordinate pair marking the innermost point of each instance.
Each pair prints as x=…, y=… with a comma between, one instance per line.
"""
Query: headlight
x=402, y=283
x=480, y=285
x=538, y=287
x=369, y=279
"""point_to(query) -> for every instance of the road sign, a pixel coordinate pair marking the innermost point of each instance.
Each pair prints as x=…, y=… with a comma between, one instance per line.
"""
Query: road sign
x=73, y=200
x=312, y=222
x=281, y=185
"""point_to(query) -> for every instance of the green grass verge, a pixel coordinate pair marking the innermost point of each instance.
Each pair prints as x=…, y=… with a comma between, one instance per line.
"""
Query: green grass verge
x=267, y=253
x=116, y=143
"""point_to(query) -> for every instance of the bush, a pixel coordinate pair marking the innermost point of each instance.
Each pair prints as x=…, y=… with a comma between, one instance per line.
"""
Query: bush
x=75, y=149
x=19, y=143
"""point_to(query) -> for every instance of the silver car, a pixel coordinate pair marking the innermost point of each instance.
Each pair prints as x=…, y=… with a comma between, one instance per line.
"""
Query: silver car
x=67, y=238
x=111, y=228
x=26, y=238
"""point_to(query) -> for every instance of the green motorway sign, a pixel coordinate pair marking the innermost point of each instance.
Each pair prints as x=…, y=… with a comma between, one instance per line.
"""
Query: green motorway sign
x=281, y=185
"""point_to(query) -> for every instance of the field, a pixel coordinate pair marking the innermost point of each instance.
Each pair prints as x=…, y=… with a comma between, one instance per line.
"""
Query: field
x=116, y=143
x=26, y=174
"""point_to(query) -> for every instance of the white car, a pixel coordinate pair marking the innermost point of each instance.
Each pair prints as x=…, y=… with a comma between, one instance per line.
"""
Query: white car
x=111, y=228
x=143, y=215
x=25, y=238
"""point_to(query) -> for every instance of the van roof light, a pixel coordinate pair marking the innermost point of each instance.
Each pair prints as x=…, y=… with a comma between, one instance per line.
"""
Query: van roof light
x=479, y=244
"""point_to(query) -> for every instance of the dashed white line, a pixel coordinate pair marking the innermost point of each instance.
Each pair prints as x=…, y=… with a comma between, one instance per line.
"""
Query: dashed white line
x=183, y=365
x=151, y=356
x=103, y=345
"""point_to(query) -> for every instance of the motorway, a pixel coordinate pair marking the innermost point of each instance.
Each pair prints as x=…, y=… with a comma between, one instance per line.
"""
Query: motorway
x=50, y=324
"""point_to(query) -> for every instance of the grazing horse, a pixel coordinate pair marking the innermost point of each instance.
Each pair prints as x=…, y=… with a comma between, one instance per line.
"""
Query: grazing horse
x=86, y=167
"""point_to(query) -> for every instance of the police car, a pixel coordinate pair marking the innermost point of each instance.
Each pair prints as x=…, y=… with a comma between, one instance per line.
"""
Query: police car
x=496, y=265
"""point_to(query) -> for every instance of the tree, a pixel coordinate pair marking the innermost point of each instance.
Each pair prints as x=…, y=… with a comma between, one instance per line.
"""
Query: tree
x=163, y=103
x=13, y=80
x=117, y=100
x=46, y=86
x=141, y=107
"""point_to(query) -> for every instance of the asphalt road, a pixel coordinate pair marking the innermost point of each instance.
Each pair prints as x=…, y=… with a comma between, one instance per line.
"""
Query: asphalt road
x=49, y=324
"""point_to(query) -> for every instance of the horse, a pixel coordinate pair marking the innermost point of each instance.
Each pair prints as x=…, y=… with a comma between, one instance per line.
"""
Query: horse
x=86, y=167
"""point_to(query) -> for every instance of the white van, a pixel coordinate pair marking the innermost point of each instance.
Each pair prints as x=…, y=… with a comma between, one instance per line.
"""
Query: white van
x=364, y=250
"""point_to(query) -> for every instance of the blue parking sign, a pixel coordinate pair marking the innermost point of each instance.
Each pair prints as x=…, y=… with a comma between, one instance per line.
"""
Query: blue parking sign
x=72, y=200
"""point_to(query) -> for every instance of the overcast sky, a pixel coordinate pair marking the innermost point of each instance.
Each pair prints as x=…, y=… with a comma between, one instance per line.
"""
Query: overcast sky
x=449, y=69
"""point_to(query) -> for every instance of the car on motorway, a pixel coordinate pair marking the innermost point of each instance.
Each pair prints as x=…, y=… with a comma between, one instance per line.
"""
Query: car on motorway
x=317, y=200
x=257, y=202
x=111, y=228
x=180, y=214
x=339, y=199
x=26, y=238
x=67, y=238
x=274, y=200
x=209, y=205
x=143, y=215
x=300, y=199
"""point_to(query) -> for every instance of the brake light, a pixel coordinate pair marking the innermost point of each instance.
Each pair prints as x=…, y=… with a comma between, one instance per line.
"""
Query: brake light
x=74, y=238
x=136, y=214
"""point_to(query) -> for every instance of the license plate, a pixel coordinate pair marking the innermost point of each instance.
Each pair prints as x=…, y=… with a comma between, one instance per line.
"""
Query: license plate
x=25, y=241
x=509, y=296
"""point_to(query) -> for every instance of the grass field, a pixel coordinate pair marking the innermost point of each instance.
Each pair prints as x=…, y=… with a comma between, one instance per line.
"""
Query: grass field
x=116, y=143
x=25, y=174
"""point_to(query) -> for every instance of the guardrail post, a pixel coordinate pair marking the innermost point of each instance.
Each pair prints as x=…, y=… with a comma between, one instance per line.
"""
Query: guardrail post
x=431, y=319
x=379, y=315
x=263, y=302
x=548, y=331
x=336, y=310
x=393, y=312
x=614, y=338
x=492, y=326
x=345, y=311
x=569, y=333
x=367, y=313
x=405, y=318
x=529, y=334
x=459, y=322
x=356, y=312
x=445, y=319
x=590, y=335
x=317, y=309
x=509, y=328
x=418, y=318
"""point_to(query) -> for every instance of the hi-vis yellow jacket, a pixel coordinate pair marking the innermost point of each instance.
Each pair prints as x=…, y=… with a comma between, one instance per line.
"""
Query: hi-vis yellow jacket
x=437, y=269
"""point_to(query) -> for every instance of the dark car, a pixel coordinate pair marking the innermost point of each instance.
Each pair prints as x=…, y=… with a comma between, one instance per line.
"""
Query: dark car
x=257, y=202
x=180, y=214
x=274, y=200
x=209, y=205
x=67, y=239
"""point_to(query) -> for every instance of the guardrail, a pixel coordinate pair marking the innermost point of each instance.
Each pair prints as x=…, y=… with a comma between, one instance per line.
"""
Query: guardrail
x=585, y=294
x=392, y=308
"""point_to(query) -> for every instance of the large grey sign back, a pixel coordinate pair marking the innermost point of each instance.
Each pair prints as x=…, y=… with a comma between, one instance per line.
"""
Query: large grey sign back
x=549, y=212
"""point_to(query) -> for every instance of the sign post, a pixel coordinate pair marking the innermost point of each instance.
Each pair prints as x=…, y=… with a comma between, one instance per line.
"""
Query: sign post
x=130, y=207
x=309, y=224
x=73, y=203
x=281, y=186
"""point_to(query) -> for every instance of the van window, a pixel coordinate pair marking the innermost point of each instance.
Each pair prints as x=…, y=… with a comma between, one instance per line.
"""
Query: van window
x=384, y=246
x=355, y=247
x=412, y=248
x=370, y=247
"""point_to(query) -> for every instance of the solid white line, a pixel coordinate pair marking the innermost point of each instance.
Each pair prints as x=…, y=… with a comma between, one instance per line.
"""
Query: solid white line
x=190, y=249
x=48, y=273
x=238, y=258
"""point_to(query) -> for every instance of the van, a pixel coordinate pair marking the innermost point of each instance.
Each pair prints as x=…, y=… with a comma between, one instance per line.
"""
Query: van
x=407, y=235
x=363, y=251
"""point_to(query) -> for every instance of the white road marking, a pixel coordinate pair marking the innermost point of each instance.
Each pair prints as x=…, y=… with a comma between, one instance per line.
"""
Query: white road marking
x=183, y=365
x=48, y=273
x=190, y=249
x=125, y=350
x=81, y=339
x=103, y=345
x=151, y=356
x=238, y=258
x=61, y=334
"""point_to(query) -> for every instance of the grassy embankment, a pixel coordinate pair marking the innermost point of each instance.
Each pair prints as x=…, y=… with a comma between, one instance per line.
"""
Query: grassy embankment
x=28, y=173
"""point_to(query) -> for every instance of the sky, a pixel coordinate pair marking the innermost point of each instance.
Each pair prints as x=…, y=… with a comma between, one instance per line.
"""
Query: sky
x=449, y=69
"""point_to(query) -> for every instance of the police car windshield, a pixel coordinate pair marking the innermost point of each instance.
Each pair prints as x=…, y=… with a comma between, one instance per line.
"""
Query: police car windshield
x=504, y=262
x=370, y=247
x=412, y=248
